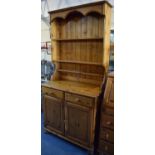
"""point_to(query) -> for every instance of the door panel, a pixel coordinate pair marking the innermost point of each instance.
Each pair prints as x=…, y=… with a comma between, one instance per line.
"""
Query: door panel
x=54, y=114
x=78, y=123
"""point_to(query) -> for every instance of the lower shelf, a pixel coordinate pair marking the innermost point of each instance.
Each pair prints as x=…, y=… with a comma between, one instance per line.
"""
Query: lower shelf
x=83, y=73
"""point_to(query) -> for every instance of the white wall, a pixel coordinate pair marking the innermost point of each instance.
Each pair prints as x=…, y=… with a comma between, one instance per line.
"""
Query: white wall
x=45, y=32
x=45, y=37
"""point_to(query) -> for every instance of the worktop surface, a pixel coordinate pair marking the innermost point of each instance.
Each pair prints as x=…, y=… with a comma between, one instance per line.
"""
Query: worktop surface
x=74, y=87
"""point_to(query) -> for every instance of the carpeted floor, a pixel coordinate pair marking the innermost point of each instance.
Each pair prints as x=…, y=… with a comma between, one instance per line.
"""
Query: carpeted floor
x=52, y=145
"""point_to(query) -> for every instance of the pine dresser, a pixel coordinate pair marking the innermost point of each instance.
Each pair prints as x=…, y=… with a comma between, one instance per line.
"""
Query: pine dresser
x=80, y=42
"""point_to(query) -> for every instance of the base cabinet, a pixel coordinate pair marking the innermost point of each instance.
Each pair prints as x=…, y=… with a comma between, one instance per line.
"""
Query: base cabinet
x=71, y=117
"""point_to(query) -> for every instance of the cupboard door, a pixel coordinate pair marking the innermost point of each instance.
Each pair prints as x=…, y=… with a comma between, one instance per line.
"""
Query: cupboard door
x=53, y=113
x=78, y=124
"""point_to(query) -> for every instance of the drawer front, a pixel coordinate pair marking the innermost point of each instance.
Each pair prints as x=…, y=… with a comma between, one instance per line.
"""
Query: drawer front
x=82, y=100
x=107, y=135
x=107, y=110
x=53, y=92
x=106, y=147
x=107, y=121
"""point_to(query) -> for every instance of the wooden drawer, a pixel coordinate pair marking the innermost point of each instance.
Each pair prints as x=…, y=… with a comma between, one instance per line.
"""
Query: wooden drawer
x=106, y=147
x=107, y=121
x=107, y=110
x=82, y=100
x=53, y=92
x=107, y=135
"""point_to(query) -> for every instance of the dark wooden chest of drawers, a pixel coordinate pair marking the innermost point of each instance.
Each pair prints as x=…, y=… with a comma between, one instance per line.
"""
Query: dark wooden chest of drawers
x=106, y=136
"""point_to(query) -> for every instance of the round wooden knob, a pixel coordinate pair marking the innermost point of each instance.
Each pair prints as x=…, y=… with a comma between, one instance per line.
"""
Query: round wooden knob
x=109, y=123
x=106, y=147
x=107, y=136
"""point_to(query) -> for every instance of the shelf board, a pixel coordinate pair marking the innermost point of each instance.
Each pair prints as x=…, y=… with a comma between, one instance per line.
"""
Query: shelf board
x=78, y=62
x=76, y=72
x=76, y=39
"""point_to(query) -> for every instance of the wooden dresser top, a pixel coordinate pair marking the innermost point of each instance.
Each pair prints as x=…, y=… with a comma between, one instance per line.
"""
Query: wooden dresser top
x=81, y=6
x=74, y=87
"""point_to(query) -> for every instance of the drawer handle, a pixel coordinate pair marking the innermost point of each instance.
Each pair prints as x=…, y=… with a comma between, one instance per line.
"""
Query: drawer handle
x=107, y=136
x=109, y=123
x=106, y=148
x=77, y=100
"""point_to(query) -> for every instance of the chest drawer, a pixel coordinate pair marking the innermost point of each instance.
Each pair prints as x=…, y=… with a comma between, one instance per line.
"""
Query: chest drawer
x=82, y=100
x=107, y=110
x=106, y=147
x=53, y=92
x=107, y=121
x=107, y=135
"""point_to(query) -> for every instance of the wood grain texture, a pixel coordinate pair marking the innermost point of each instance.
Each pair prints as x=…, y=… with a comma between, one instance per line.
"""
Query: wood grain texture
x=54, y=114
x=53, y=92
x=81, y=42
x=78, y=123
x=83, y=89
x=83, y=11
x=80, y=100
x=106, y=34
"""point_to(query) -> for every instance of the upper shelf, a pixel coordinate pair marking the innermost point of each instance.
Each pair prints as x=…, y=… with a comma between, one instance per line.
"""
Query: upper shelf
x=76, y=39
